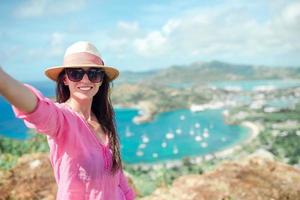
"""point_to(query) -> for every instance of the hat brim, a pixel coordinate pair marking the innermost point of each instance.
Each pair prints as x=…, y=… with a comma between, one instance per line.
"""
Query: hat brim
x=53, y=72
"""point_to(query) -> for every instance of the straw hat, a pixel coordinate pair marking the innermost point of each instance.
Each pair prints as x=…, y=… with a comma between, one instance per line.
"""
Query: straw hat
x=82, y=54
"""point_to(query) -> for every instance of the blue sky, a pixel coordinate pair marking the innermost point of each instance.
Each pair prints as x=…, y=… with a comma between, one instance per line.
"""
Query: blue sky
x=144, y=35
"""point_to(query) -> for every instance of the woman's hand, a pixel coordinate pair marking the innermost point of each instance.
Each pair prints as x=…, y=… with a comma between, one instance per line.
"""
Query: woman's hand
x=16, y=93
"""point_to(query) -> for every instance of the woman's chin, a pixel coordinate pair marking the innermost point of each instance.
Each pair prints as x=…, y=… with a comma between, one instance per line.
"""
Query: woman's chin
x=83, y=97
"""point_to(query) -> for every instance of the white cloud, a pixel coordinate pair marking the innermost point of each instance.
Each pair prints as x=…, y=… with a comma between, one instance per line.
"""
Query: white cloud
x=31, y=8
x=119, y=40
x=54, y=50
x=152, y=45
x=170, y=26
x=225, y=32
x=128, y=27
x=37, y=8
x=118, y=45
x=291, y=13
x=57, y=44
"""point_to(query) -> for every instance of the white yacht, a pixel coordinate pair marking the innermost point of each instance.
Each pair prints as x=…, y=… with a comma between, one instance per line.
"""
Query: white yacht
x=204, y=144
x=154, y=155
x=197, y=125
x=182, y=117
x=164, y=144
x=128, y=133
x=145, y=138
x=170, y=135
x=178, y=131
x=139, y=153
x=175, y=150
x=198, y=138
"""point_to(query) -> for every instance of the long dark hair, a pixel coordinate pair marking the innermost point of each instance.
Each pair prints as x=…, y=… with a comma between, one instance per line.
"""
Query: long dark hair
x=103, y=110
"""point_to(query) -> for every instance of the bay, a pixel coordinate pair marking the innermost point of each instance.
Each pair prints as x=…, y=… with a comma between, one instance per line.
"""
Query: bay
x=171, y=135
x=175, y=135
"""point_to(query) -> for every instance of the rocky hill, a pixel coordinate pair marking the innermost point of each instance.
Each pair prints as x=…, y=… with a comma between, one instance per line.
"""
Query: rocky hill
x=30, y=179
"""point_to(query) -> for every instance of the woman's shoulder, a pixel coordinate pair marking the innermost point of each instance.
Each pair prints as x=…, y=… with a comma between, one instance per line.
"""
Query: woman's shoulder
x=65, y=108
x=69, y=112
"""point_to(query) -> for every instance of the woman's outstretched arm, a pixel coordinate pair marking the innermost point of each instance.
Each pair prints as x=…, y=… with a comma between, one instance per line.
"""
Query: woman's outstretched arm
x=16, y=93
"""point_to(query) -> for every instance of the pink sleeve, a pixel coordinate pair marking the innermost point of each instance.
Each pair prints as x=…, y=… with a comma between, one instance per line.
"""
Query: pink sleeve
x=128, y=192
x=45, y=118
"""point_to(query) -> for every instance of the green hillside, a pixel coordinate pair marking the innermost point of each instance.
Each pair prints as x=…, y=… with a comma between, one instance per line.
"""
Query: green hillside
x=202, y=72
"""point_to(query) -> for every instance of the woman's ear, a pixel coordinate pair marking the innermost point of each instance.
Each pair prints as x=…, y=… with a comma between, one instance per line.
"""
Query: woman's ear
x=65, y=80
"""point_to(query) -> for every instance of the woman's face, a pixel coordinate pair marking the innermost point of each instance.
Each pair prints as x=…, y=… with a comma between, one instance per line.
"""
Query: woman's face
x=83, y=89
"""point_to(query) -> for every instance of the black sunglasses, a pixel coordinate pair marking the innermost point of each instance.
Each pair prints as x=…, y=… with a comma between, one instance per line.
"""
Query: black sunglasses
x=95, y=75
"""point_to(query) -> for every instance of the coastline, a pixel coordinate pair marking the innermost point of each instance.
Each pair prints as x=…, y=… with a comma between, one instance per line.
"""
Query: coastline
x=146, y=111
x=254, y=132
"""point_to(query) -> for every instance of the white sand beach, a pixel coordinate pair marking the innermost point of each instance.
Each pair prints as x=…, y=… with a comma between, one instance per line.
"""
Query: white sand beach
x=255, y=130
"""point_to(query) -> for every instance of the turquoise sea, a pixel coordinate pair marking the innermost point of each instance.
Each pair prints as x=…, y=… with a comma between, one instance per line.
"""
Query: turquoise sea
x=171, y=135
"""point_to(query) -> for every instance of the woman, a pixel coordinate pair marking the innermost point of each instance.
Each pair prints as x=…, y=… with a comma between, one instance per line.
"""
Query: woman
x=80, y=127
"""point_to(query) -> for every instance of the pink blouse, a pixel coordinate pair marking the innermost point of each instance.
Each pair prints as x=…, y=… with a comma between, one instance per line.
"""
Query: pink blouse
x=81, y=164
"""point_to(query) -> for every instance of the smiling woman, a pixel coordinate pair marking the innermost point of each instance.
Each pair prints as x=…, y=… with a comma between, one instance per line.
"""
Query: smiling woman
x=80, y=126
x=79, y=84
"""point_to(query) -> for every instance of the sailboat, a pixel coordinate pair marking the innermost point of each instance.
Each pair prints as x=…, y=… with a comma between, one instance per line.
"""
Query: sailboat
x=192, y=132
x=139, y=153
x=178, y=131
x=204, y=144
x=198, y=138
x=155, y=155
x=206, y=133
x=197, y=125
x=182, y=117
x=128, y=133
x=175, y=150
x=170, y=135
x=145, y=138
x=163, y=144
x=142, y=146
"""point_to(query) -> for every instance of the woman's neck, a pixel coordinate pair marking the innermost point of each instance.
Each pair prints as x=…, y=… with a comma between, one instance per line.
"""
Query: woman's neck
x=84, y=108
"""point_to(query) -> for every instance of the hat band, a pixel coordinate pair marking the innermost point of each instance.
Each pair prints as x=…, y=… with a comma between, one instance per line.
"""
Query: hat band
x=82, y=58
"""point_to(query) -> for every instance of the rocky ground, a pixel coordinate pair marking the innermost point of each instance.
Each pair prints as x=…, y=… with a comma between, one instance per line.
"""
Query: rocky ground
x=252, y=178
x=31, y=178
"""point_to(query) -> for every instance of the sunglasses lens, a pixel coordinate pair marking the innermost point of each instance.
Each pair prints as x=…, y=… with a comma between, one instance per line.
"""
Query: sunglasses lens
x=95, y=75
x=75, y=74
